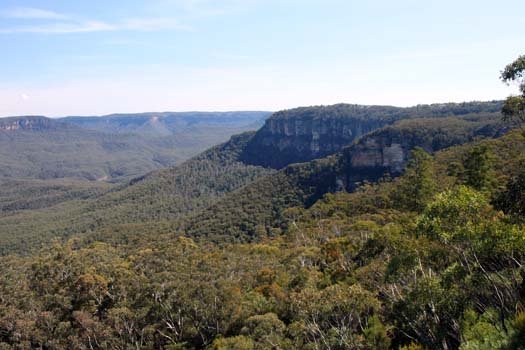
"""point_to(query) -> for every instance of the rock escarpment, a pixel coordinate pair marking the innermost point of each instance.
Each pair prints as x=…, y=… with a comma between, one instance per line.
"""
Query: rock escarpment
x=304, y=134
x=257, y=208
x=387, y=151
x=28, y=123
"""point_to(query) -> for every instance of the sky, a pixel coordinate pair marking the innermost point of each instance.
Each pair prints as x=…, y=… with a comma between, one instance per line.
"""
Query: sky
x=63, y=57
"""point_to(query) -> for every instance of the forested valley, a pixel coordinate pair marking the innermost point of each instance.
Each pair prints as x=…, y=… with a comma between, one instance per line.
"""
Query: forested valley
x=406, y=230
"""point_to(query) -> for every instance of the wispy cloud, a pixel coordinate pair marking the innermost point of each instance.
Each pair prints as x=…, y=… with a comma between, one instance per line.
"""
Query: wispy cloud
x=60, y=28
x=62, y=24
x=31, y=13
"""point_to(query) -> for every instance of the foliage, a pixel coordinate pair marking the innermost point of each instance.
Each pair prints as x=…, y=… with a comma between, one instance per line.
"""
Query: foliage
x=354, y=270
x=417, y=186
x=478, y=170
x=512, y=199
x=514, y=106
x=144, y=203
x=455, y=215
x=218, y=254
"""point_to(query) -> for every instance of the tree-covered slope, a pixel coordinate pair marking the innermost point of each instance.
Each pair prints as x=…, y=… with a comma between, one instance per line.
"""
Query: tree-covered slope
x=50, y=149
x=306, y=133
x=184, y=197
x=256, y=210
x=361, y=270
x=159, y=197
x=22, y=194
x=112, y=148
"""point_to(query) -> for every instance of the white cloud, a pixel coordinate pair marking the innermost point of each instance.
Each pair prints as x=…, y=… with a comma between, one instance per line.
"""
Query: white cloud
x=31, y=13
x=135, y=24
x=61, y=24
x=24, y=97
x=61, y=28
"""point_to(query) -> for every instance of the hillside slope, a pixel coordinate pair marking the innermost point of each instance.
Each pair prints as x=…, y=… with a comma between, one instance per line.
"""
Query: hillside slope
x=161, y=197
x=44, y=149
x=355, y=270
x=256, y=210
x=112, y=148
x=171, y=200
x=306, y=133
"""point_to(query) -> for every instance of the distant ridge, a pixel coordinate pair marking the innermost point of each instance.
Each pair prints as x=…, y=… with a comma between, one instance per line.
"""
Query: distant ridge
x=31, y=123
x=112, y=148
x=168, y=123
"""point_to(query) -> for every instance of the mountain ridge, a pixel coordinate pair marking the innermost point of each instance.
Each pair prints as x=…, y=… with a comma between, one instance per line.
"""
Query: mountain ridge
x=219, y=183
x=166, y=123
x=382, y=152
x=38, y=147
x=306, y=133
x=32, y=122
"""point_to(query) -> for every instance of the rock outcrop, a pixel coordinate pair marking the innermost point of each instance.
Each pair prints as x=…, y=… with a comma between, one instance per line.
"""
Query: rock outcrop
x=387, y=151
x=28, y=123
x=374, y=153
x=304, y=134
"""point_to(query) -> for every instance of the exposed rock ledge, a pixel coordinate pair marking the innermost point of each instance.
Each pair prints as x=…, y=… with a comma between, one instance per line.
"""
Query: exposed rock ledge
x=26, y=123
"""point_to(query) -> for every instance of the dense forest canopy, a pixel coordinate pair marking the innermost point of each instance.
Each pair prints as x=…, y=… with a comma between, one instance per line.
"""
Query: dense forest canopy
x=369, y=269
x=342, y=252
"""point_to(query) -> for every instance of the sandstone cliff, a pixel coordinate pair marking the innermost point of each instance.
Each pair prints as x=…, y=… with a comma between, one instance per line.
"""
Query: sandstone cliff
x=304, y=134
x=387, y=151
x=28, y=123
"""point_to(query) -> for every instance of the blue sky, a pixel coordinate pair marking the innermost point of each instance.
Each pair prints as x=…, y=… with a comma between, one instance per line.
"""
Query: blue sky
x=63, y=57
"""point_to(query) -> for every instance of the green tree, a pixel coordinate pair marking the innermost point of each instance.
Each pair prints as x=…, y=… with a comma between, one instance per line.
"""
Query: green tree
x=377, y=334
x=512, y=199
x=267, y=331
x=417, y=186
x=514, y=107
x=455, y=215
x=479, y=168
x=334, y=317
x=517, y=338
x=482, y=332
x=233, y=343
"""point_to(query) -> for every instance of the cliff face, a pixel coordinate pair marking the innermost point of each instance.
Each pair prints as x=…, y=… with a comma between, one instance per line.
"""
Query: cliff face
x=380, y=153
x=314, y=137
x=259, y=206
x=27, y=123
x=304, y=134
x=384, y=152
x=387, y=151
